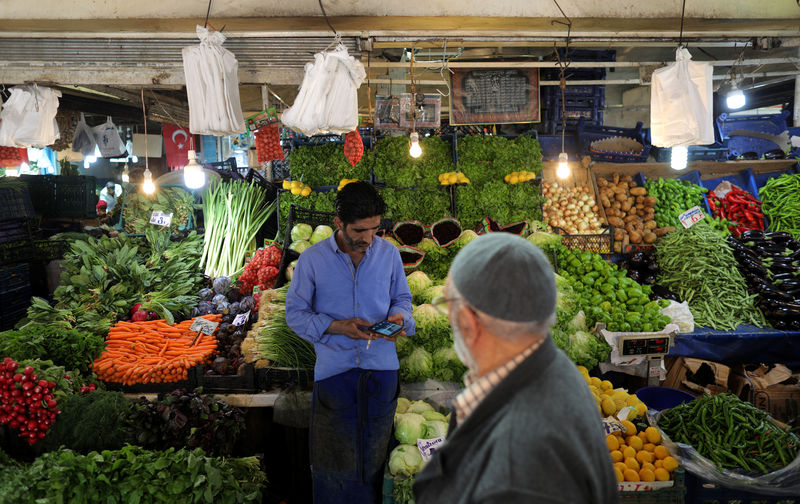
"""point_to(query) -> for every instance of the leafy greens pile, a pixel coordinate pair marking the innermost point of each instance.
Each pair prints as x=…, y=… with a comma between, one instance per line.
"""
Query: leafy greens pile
x=170, y=200
x=321, y=165
x=103, y=278
x=486, y=158
x=65, y=347
x=503, y=202
x=396, y=168
x=423, y=205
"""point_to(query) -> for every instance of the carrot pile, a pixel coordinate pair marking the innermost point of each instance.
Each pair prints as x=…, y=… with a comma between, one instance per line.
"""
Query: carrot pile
x=153, y=352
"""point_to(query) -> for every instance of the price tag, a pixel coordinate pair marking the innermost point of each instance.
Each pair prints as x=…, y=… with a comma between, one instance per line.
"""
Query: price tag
x=428, y=446
x=204, y=326
x=611, y=425
x=160, y=218
x=691, y=217
x=241, y=319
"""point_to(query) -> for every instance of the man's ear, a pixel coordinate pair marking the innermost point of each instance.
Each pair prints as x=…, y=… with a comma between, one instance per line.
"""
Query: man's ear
x=338, y=223
x=470, y=326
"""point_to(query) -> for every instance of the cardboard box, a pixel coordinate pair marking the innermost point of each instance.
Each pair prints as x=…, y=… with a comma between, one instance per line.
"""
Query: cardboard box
x=697, y=376
x=774, y=390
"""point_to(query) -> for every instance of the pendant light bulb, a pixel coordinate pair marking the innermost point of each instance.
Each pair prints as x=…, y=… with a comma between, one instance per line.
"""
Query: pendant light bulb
x=563, y=170
x=193, y=175
x=147, y=186
x=679, y=157
x=735, y=98
x=414, y=150
x=126, y=176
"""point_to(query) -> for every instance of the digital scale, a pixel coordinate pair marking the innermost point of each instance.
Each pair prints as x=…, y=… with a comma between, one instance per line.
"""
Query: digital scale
x=651, y=346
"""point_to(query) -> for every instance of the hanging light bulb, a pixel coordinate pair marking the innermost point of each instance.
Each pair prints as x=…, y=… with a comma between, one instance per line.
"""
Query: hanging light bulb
x=735, y=98
x=563, y=171
x=147, y=186
x=126, y=177
x=679, y=157
x=193, y=175
x=414, y=150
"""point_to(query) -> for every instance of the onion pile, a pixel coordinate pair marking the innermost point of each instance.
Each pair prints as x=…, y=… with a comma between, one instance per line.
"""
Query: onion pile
x=573, y=209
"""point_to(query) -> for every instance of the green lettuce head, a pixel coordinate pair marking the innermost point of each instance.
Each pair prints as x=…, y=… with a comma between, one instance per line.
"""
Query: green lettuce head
x=405, y=460
x=433, y=429
x=301, y=232
x=418, y=282
x=417, y=367
x=433, y=328
x=408, y=427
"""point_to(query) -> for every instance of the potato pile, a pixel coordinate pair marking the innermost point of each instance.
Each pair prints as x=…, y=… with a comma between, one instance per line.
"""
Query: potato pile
x=630, y=210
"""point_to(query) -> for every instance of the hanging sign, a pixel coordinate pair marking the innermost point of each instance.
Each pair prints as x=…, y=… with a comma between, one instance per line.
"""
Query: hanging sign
x=494, y=96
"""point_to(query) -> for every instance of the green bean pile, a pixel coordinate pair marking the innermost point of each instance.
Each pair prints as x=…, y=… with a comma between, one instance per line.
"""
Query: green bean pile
x=698, y=265
x=780, y=203
x=731, y=433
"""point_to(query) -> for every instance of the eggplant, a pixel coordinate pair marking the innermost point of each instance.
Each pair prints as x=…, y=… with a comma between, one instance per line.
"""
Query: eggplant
x=772, y=249
x=753, y=234
x=661, y=292
x=774, y=235
x=737, y=245
x=787, y=285
x=768, y=290
x=746, y=253
x=635, y=275
x=753, y=267
x=650, y=279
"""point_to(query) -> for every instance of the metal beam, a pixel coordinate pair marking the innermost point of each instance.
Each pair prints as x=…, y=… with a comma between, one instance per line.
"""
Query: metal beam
x=575, y=64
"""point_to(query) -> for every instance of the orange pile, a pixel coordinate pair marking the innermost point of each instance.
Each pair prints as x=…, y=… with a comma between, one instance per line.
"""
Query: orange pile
x=153, y=352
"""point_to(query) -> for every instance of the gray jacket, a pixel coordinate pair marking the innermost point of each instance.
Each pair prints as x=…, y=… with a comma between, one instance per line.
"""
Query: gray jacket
x=536, y=438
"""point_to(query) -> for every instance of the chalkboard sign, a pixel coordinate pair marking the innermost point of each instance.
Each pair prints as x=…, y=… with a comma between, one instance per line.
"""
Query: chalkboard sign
x=494, y=96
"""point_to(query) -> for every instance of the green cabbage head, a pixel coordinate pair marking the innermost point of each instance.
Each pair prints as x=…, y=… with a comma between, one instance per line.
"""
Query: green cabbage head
x=405, y=460
x=408, y=427
x=418, y=282
x=433, y=429
x=301, y=232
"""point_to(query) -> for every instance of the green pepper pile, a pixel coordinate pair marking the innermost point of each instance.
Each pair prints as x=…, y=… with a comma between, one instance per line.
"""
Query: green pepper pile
x=608, y=295
x=731, y=433
x=780, y=204
x=674, y=197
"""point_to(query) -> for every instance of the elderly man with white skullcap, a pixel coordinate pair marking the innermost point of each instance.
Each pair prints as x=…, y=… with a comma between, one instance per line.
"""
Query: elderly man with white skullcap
x=526, y=428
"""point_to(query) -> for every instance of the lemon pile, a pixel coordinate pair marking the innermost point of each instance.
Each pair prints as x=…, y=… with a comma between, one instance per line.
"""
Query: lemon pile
x=639, y=456
x=611, y=401
x=520, y=176
x=344, y=182
x=453, y=178
x=297, y=187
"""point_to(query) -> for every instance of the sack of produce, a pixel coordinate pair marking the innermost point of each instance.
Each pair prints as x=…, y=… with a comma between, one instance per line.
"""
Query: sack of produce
x=445, y=231
x=409, y=232
x=411, y=257
x=353, y=147
x=268, y=144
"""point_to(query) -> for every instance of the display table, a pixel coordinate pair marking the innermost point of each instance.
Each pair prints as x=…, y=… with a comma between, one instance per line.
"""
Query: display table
x=747, y=345
x=259, y=400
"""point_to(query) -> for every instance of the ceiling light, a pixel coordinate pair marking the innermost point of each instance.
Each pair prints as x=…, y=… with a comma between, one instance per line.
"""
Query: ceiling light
x=147, y=186
x=563, y=171
x=679, y=158
x=735, y=98
x=193, y=175
x=414, y=150
x=126, y=177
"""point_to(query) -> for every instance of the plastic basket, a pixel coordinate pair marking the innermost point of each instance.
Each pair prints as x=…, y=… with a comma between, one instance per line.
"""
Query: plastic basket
x=244, y=381
x=75, y=197
x=15, y=277
x=551, y=146
x=661, y=398
x=674, y=494
x=772, y=124
x=42, y=190
x=299, y=214
x=694, y=177
x=14, y=230
x=16, y=252
x=276, y=378
x=15, y=204
x=15, y=301
x=700, y=491
x=589, y=133
x=745, y=179
x=602, y=243
x=49, y=250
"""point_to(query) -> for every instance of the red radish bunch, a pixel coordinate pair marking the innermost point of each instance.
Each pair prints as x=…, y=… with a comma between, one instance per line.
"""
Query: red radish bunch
x=262, y=270
x=26, y=402
x=353, y=147
x=268, y=144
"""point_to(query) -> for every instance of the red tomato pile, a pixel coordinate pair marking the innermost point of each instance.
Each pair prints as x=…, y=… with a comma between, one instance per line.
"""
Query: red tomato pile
x=268, y=144
x=262, y=270
x=353, y=147
x=26, y=402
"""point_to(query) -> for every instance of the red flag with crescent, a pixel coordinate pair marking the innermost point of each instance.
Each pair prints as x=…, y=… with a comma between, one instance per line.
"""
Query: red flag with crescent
x=176, y=145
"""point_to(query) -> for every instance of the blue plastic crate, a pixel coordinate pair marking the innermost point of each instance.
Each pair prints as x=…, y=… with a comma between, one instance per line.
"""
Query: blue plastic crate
x=772, y=124
x=694, y=177
x=551, y=147
x=795, y=152
x=745, y=179
x=589, y=133
x=714, y=152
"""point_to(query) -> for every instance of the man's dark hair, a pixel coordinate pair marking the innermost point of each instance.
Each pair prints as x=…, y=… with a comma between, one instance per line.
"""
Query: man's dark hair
x=358, y=200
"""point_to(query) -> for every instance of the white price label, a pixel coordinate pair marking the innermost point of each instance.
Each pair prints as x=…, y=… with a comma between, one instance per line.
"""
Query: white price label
x=691, y=217
x=204, y=326
x=241, y=319
x=612, y=425
x=160, y=218
x=428, y=446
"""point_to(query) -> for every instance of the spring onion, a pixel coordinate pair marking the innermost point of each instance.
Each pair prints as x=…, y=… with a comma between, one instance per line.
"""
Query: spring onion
x=233, y=213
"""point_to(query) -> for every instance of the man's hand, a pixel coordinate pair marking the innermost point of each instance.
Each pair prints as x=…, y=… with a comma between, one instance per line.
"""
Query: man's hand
x=351, y=328
x=397, y=318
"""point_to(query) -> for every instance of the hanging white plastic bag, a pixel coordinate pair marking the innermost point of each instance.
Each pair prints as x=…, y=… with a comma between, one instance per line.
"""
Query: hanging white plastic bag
x=83, y=140
x=108, y=139
x=212, y=86
x=29, y=117
x=681, y=103
x=328, y=98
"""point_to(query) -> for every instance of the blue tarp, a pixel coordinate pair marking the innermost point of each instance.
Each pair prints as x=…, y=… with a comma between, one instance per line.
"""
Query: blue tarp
x=747, y=345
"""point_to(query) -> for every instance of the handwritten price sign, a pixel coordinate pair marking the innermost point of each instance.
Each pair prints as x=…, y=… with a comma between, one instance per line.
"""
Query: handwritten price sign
x=691, y=217
x=204, y=326
x=160, y=218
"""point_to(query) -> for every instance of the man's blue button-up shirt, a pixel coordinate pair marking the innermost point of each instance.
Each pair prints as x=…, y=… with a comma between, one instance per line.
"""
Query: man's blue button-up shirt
x=326, y=286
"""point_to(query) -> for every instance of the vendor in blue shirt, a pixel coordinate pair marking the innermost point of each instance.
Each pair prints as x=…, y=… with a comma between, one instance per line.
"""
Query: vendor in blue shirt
x=340, y=287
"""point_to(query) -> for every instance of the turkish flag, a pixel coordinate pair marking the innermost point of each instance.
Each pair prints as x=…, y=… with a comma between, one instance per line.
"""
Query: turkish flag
x=176, y=145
